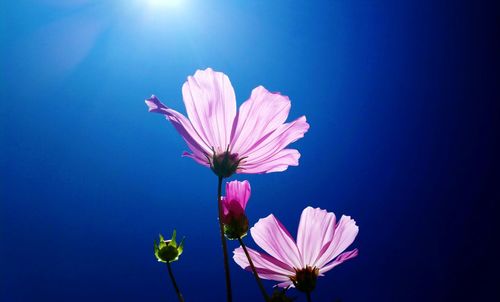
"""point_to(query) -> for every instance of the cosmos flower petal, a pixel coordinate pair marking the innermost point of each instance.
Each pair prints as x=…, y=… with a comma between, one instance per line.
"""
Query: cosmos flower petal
x=274, y=277
x=259, y=116
x=273, y=238
x=285, y=284
x=315, y=230
x=198, y=157
x=266, y=266
x=211, y=106
x=341, y=258
x=238, y=191
x=277, y=163
x=195, y=143
x=346, y=231
x=266, y=148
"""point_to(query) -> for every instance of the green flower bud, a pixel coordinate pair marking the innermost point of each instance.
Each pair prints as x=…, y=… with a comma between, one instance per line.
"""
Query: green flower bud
x=235, y=227
x=280, y=296
x=168, y=250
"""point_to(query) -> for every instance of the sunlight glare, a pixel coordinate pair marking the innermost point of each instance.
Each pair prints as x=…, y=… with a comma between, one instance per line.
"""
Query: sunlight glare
x=164, y=3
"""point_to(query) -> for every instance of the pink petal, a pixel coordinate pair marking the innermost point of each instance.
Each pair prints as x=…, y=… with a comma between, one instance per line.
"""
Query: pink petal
x=277, y=163
x=260, y=115
x=266, y=266
x=199, y=158
x=211, y=106
x=341, y=258
x=231, y=209
x=316, y=229
x=195, y=143
x=238, y=191
x=346, y=231
x=268, y=148
x=285, y=284
x=273, y=238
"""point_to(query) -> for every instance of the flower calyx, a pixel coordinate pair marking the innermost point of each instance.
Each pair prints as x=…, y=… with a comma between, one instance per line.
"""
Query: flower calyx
x=224, y=164
x=236, y=227
x=305, y=278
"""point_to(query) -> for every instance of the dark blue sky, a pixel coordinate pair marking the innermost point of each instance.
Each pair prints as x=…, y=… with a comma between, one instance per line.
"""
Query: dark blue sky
x=402, y=101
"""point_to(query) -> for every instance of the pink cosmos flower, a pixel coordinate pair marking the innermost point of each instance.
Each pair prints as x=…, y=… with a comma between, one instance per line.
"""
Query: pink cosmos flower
x=321, y=241
x=252, y=140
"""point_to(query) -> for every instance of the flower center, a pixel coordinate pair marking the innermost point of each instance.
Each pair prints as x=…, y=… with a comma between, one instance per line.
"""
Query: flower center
x=224, y=164
x=305, y=278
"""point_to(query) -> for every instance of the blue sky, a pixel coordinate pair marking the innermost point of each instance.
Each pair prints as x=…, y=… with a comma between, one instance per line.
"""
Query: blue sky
x=400, y=99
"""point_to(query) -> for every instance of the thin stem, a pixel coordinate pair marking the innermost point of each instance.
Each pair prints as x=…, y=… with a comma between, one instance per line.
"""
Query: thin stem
x=224, y=243
x=179, y=295
x=308, y=296
x=257, y=278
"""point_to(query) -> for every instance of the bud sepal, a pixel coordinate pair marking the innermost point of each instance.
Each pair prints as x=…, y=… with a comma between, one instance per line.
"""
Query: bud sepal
x=236, y=227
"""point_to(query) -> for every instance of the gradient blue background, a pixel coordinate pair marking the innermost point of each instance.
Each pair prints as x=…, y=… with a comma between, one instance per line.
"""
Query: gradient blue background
x=401, y=98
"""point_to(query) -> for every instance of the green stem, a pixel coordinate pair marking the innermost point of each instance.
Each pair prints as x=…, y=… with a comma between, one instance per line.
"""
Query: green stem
x=179, y=295
x=224, y=243
x=308, y=296
x=257, y=278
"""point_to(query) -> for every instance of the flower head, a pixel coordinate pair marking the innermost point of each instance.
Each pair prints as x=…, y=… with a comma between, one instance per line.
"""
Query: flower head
x=233, y=209
x=252, y=140
x=320, y=245
x=168, y=250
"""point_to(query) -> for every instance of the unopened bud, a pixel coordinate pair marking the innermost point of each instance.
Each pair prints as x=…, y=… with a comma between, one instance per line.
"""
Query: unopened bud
x=280, y=296
x=168, y=250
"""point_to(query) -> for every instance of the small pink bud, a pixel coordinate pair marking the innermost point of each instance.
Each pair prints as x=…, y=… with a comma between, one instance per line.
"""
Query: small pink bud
x=233, y=209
